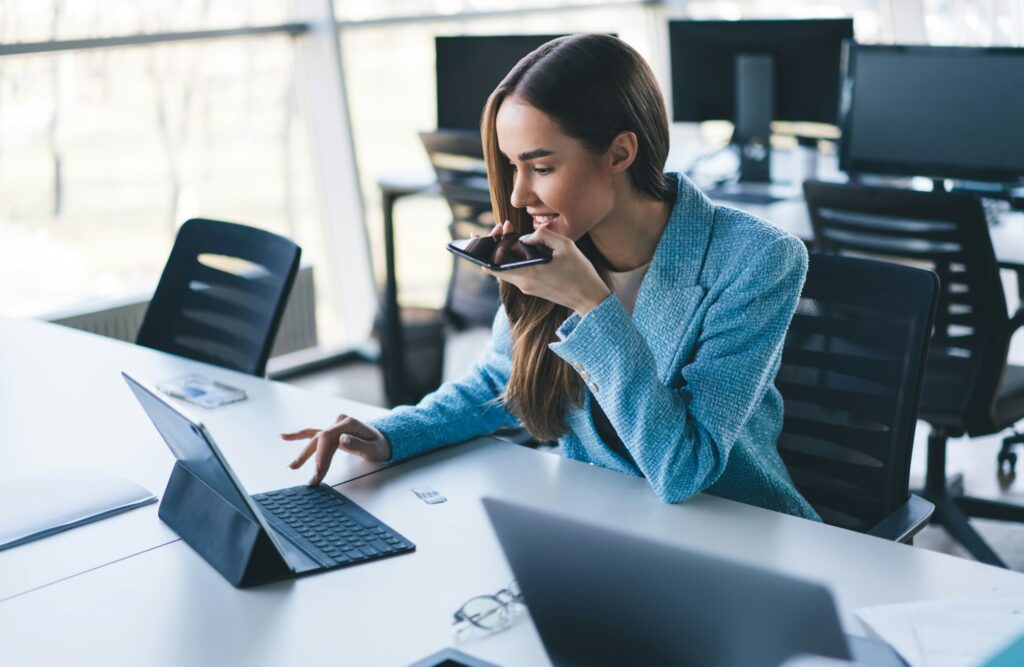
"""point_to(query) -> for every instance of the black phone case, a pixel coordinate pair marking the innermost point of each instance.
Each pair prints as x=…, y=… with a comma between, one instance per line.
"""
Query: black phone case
x=458, y=252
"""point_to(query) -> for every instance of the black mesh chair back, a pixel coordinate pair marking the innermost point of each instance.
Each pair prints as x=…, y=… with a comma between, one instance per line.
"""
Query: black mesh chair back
x=850, y=380
x=458, y=161
x=221, y=295
x=948, y=233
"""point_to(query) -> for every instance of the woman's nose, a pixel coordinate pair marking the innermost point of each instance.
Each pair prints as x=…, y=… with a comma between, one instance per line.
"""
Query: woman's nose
x=522, y=195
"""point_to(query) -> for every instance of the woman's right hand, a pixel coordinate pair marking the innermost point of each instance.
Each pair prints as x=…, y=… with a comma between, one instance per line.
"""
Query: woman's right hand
x=347, y=434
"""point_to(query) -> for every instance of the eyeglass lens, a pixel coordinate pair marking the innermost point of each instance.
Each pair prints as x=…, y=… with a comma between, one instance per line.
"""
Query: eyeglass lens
x=487, y=612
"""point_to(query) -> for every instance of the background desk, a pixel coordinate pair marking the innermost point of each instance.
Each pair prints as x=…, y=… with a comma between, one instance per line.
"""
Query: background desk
x=63, y=402
x=167, y=606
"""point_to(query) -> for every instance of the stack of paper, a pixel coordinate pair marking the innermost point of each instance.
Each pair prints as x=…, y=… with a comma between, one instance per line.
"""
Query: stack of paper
x=31, y=508
x=948, y=633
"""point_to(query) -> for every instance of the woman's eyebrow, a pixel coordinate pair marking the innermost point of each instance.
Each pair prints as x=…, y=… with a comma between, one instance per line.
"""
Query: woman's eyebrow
x=535, y=153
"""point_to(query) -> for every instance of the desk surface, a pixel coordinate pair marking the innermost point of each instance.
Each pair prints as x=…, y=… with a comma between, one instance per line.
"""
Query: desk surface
x=63, y=402
x=167, y=606
x=147, y=598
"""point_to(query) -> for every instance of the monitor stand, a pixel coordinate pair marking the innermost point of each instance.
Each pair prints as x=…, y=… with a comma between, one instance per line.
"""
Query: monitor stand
x=755, y=106
x=753, y=113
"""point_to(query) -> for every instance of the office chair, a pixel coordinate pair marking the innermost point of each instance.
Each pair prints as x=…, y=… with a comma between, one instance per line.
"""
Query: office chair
x=457, y=158
x=968, y=387
x=850, y=379
x=221, y=295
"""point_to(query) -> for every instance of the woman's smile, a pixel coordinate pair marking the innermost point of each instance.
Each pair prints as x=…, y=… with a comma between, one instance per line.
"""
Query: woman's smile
x=545, y=220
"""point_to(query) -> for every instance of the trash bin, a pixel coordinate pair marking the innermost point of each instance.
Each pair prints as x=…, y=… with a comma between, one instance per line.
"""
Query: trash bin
x=419, y=367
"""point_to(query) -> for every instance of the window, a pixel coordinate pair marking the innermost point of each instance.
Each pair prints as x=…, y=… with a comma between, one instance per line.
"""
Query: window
x=104, y=152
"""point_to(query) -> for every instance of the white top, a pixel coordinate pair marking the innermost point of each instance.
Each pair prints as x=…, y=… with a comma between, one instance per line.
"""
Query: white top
x=626, y=284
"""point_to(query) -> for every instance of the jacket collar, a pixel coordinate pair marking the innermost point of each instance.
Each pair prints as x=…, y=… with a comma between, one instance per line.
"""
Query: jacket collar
x=670, y=292
x=679, y=256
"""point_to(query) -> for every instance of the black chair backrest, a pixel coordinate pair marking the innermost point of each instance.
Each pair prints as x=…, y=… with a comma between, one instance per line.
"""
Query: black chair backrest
x=948, y=233
x=458, y=161
x=850, y=380
x=221, y=295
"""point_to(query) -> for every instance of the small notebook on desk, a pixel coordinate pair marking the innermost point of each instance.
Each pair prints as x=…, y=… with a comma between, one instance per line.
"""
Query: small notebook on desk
x=35, y=507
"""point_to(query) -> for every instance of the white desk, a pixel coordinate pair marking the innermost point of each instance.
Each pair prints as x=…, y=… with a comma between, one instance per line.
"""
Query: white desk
x=167, y=606
x=63, y=402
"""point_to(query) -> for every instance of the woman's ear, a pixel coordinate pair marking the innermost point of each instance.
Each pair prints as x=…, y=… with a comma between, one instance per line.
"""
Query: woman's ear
x=622, y=151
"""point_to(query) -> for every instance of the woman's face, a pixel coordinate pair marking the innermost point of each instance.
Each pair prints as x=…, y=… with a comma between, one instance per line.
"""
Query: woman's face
x=561, y=184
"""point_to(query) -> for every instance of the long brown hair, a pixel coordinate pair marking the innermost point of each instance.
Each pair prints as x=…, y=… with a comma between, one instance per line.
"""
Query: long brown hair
x=593, y=87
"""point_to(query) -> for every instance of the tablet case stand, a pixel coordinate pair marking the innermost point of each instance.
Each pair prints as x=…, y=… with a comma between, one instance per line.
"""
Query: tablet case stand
x=233, y=543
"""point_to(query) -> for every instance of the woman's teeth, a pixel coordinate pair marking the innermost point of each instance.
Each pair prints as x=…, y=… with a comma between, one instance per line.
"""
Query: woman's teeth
x=544, y=219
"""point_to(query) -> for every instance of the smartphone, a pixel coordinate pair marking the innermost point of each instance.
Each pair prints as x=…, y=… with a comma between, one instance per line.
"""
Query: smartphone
x=500, y=253
x=201, y=391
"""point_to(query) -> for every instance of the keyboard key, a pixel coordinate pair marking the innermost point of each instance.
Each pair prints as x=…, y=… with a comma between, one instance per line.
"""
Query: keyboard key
x=382, y=546
x=366, y=520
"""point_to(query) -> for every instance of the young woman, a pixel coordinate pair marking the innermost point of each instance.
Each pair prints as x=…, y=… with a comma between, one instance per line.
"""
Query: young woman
x=649, y=344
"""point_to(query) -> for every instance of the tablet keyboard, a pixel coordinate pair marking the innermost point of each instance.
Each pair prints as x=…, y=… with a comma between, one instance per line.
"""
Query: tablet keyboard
x=329, y=527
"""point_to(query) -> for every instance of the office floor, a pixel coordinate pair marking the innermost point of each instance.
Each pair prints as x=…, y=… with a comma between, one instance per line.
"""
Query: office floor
x=976, y=459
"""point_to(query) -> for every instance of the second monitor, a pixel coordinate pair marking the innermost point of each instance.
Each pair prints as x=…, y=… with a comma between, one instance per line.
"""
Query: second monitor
x=469, y=68
x=754, y=72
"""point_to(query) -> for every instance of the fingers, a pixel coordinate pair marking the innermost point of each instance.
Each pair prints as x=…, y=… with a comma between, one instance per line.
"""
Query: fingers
x=300, y=435
x=501, y=229
x=544, y=237
x=355, y=445
x=303, y=456
x=347, y=433
x=325, y=448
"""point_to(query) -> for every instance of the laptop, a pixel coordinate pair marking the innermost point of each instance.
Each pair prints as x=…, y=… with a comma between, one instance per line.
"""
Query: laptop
x=600, y=597
x=312, y=528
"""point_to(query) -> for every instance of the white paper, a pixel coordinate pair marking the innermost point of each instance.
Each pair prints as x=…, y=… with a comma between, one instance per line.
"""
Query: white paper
x=947, y=633
x=34, y=507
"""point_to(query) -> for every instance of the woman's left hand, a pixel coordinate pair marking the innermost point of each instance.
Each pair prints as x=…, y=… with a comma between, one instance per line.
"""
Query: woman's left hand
x=569, y=279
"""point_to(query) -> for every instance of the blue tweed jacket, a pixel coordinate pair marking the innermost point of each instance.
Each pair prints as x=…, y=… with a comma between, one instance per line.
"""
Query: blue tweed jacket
x=687, y=381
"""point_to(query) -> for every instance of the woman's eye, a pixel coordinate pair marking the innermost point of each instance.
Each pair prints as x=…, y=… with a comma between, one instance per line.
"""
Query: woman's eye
x=512, y=166
x=542, y=171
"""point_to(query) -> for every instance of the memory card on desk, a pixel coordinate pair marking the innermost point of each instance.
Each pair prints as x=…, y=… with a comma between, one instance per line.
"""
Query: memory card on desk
x=428, y=495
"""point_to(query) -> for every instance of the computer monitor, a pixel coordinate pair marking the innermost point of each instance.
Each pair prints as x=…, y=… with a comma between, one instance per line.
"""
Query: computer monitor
x=754, y=72
x=936, y=111
x=469, y=68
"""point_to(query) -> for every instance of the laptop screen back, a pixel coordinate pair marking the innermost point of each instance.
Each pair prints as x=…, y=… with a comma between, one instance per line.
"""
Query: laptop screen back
x=600, y=597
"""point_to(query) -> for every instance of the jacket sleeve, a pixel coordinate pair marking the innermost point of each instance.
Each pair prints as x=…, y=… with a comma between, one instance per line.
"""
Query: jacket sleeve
x=680, y=437
x=457, y=410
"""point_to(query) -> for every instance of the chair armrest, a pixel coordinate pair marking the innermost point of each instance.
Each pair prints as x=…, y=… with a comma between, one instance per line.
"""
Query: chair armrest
x=905, y=521
x=1018, y=318
x=1017, y=321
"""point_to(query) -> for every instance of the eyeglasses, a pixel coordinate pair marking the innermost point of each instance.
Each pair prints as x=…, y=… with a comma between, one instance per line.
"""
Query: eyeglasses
x=490, y=612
